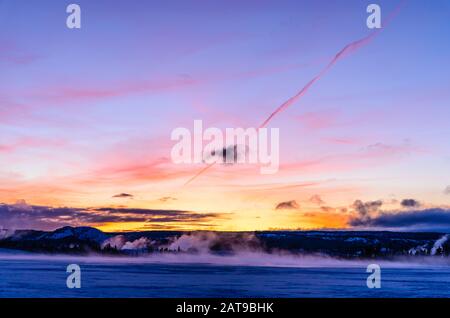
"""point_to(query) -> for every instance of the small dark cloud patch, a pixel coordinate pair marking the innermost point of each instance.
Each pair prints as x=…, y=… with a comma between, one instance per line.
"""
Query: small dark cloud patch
x=167, y=199
x=287, y=205
x=123, y=196
x=231, y=154
x=316, y=199
x=327, y=209
x=410, y=203
x=366, y=208
x=436, y=219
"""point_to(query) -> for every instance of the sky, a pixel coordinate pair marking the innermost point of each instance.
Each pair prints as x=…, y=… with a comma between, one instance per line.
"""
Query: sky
x=86, y=115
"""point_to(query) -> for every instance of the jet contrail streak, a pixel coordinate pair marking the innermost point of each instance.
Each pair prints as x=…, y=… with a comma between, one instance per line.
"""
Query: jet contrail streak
x=349, y=48
x=199, y=173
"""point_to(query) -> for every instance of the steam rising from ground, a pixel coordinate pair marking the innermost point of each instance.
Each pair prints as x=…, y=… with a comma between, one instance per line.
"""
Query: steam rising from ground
x=438, y=245
x=205, y=242
x=227, y=249
x=195, y=242
x=120, y=243
x=256, y=259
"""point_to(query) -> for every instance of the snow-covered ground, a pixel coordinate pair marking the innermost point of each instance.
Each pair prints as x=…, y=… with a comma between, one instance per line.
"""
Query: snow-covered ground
x=30, y=275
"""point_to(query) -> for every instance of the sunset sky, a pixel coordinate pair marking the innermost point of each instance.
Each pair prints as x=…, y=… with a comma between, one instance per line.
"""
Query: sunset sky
x=86, y=114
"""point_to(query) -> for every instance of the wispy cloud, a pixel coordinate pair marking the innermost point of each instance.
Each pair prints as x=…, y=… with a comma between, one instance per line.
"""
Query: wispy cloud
x=31, y=142
x=316, y=199
x=24, y=216
x=11, y=53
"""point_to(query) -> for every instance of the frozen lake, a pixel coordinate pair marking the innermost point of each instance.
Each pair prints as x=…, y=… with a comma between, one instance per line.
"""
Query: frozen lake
x=30, y=276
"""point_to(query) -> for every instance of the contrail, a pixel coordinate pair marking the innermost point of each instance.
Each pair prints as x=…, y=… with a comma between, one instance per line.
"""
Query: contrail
x=349, y=48
x=199, y=173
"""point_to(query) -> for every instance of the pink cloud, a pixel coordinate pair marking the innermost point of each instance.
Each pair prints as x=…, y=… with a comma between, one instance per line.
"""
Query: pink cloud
x=92, y=92
x=30, y=142
x=11, y=53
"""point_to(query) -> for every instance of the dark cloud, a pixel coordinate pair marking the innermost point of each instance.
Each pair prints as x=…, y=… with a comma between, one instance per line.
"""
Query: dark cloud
x=436, y=219
x=287, y=205
x=410, y=203
x=24, y=216
x=366, y=208
x=123, y=195
x=231, y=154
x=154, y=215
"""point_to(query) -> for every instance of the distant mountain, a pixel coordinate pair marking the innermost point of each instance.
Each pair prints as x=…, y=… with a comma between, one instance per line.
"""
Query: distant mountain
x=80, y=233
x=67, y=232
x=63, y=240
x=346, y=244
